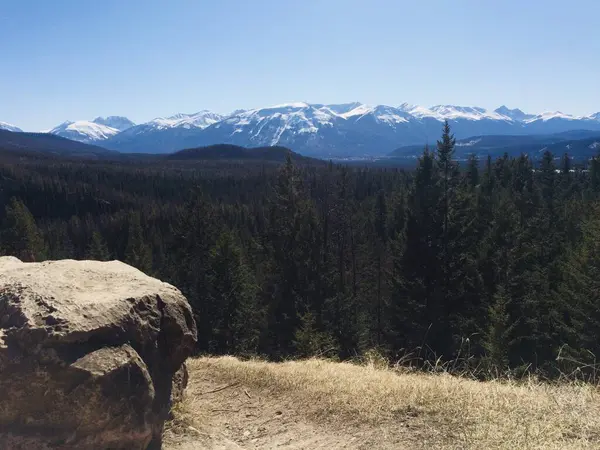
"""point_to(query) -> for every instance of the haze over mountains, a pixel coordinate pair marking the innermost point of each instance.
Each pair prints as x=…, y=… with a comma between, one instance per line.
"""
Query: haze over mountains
x=334, y=130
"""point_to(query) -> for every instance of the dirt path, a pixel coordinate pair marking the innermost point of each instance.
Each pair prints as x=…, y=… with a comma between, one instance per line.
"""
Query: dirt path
x=237, y=417
x=233, y=404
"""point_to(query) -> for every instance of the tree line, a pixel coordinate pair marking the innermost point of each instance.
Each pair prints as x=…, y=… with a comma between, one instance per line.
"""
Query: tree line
x=495, y=263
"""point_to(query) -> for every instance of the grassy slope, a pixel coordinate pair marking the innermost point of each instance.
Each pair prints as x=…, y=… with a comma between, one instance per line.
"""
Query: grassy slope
x=385, y=408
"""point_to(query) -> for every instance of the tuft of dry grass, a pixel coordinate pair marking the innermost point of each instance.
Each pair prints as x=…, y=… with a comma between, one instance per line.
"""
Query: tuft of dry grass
x=432, y=410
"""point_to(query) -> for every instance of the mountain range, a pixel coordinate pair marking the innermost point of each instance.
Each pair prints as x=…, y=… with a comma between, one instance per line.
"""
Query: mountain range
x=326, y=131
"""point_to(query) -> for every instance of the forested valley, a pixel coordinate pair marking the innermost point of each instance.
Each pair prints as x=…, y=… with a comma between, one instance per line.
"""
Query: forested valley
x=492, y=266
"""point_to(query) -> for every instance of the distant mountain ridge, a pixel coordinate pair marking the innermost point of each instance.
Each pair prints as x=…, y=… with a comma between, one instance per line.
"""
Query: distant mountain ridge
x=579, y=144
x=235, y=152
x=8, y=127
x=320, y=130
x=48, y=144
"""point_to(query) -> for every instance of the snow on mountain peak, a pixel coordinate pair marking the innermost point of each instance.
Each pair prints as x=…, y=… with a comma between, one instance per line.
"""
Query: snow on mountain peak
x=503, y=113
x=514, y=114
x=84, y=131
x=236, y=112
x=342, y=108
x=451, y=112
x=201, y=119
x=419, y=111
x=406, y=106
x=550, y=115
x=293, y=105
x=381, y=113
x=117, y=122
x=274, y=124
x=359, y=110
x=9, y=127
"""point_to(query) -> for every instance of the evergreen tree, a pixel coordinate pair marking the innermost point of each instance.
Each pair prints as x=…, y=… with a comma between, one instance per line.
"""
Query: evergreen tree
x=311, y=340
x=283, y=299
x=137, y=251
x=20, y=235
x=98, y=250
x=381, y=253
x=194, y=234
x=448, y=170
x=594, y=180
x=579, y=293
x=60, y=244
x=497, y=337
x=464, y=306
x=566, y=165
x=447, y=185
x=233, y=308
x=344, y=312
x=415, y=296
x=473, y=171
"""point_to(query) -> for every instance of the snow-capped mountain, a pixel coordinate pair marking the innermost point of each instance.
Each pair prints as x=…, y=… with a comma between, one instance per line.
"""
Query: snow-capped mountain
x=315, y=129
x=325, y=130
x=359, y=129
x=163, y=134
x=515, y=114
x=84, y=131
x=201, y=119
x=550, y=115
x=9, y=127
x=94, y=131
x=381, y=114
x=117, y=122
x=285, y=124
x=595, y=116
x=451, y=112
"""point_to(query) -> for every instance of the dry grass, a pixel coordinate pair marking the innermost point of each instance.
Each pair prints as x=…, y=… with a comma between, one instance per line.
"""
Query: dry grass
x=430, y=411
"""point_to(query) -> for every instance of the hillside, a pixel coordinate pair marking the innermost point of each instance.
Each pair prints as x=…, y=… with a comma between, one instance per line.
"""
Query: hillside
x=580, y=144
x=231, y=404
x=44, y=143
x=236, y=152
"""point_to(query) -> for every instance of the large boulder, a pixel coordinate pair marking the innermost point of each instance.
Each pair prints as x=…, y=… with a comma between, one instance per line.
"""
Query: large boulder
x=89, y=354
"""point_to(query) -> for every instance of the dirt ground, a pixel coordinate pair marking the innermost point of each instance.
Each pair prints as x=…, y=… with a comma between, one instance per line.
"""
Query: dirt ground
x=245, y=418
x=319, y=404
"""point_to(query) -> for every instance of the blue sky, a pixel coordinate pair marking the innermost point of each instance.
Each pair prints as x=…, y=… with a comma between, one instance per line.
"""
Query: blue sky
x=77, y=59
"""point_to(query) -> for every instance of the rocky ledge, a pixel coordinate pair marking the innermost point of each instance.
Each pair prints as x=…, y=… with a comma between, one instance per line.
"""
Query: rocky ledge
x=91, y=355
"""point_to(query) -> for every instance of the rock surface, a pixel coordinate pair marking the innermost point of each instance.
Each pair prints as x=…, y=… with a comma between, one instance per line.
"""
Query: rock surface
x=90, y=354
